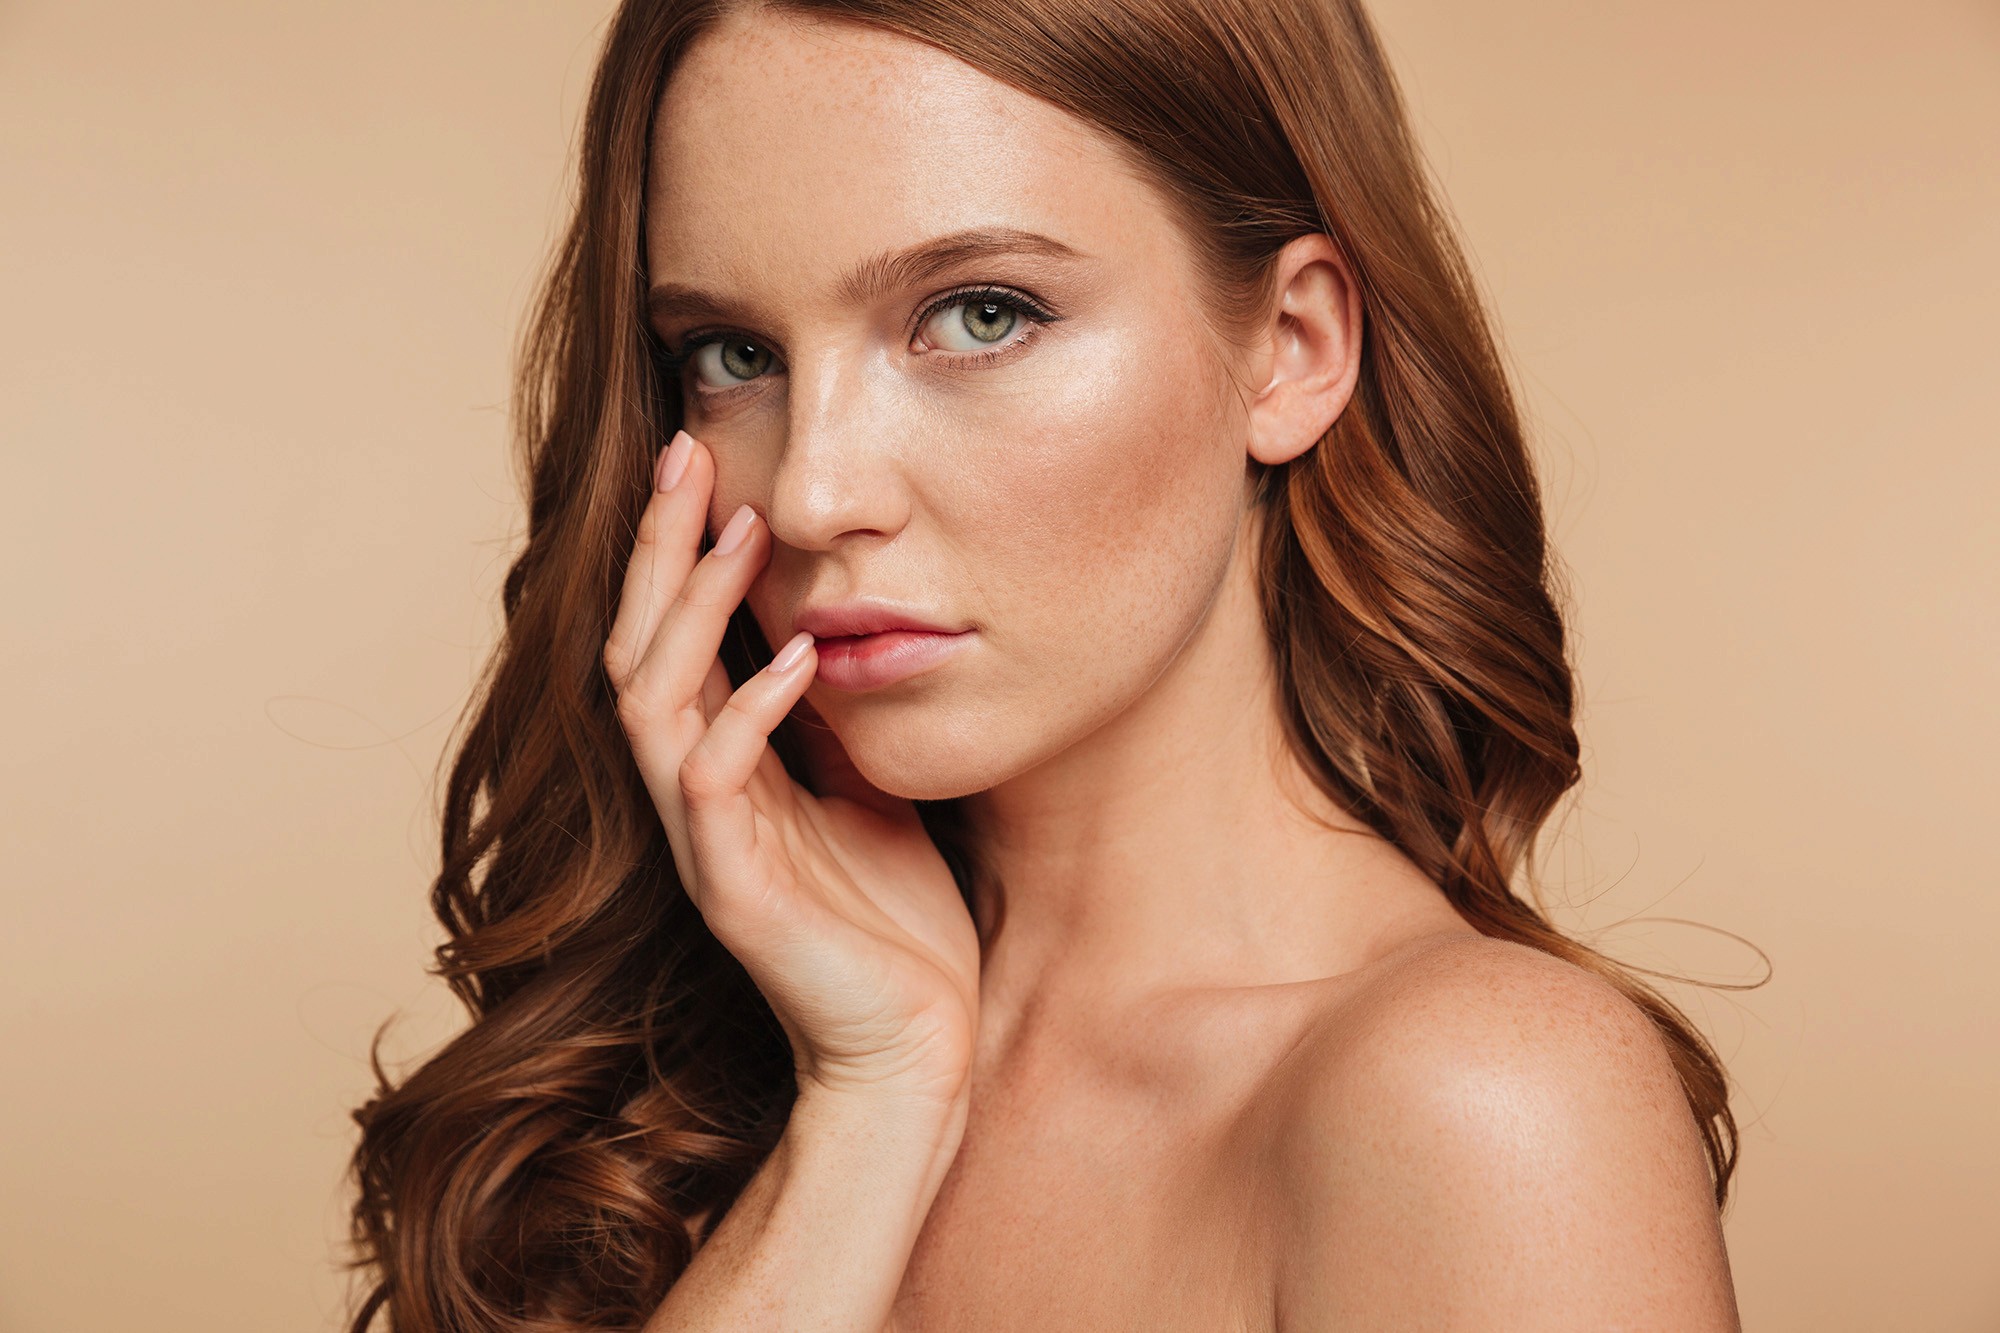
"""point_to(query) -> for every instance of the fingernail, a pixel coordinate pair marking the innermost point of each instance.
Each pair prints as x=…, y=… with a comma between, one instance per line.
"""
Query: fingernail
x=789, y=656
x=739, y=528
x=673, y=464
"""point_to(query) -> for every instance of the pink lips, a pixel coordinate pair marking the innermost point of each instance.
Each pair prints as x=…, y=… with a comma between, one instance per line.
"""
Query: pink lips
x=866, y=647
x=870, y=661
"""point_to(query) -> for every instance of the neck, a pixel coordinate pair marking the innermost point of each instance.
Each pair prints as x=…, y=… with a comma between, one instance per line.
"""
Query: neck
x=1183, y=845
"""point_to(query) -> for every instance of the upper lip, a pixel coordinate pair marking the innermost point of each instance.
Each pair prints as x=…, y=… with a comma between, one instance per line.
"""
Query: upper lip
x=842, y=619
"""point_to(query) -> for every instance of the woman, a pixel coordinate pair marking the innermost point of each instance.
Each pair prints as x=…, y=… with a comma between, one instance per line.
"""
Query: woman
x=1098, y=911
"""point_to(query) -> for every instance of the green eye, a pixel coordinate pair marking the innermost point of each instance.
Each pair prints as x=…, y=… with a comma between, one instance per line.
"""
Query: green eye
x=987, y=321
x=724, y=362
x=969, y=321
x=979, y=321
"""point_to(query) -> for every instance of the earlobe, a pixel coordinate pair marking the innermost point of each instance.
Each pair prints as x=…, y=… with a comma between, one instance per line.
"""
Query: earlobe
x=1312, y=346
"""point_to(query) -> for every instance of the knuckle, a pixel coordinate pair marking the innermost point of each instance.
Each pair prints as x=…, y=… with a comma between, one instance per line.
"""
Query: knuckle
x=647, y=536
x=617, y=660
x=741, y=708
x=636, y=712
x=696, y=594
x=697, y=781
x=712, y=582
x=700, y=785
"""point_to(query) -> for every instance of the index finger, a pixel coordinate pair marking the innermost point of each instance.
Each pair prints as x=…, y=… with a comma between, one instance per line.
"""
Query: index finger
x=664, y=552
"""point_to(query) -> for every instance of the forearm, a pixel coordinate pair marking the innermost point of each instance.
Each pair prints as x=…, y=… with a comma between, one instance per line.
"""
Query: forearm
x=819, y=1238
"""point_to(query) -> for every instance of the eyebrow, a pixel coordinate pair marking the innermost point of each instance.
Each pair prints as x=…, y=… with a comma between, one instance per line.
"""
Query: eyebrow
x=886, y=271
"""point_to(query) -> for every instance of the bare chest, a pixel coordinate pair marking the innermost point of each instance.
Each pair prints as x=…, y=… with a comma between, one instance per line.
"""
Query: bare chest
x=1088, y=1211
x=1083, y=1234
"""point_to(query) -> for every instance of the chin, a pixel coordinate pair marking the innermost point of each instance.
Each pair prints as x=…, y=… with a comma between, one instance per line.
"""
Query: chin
x=930, y=750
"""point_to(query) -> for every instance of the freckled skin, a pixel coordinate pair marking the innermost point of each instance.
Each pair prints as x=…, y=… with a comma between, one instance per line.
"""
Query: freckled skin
x=1077, y=504
x=1233, y=1047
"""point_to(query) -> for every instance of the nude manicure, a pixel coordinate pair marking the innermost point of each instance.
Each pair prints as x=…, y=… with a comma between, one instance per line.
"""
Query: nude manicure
x=673, y=463
x=739, y=528
x=788, y=657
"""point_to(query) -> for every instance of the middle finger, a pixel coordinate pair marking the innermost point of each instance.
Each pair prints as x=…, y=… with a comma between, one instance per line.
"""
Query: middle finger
x=685, y=650
x=663, y=552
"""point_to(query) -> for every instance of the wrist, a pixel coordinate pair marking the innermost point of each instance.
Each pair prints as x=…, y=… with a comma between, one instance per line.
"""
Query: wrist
x=912, y=1087
x=910, y=1130
x=932, y=1068
x=917, y=1107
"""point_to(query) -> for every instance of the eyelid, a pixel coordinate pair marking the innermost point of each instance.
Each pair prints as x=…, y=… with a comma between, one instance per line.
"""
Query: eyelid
x=674, y=360
x=1016, y=300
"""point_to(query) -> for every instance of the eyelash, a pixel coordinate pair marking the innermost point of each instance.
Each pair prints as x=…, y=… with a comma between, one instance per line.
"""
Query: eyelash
x=673, y=361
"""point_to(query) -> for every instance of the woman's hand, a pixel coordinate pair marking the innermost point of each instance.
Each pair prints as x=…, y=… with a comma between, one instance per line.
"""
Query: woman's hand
x=839, y=906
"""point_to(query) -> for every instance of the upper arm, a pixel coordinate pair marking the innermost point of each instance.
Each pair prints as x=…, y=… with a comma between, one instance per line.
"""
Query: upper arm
x=1494, y=1139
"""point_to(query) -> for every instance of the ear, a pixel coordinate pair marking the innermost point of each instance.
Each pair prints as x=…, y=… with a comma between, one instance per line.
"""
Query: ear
x=1307, y=353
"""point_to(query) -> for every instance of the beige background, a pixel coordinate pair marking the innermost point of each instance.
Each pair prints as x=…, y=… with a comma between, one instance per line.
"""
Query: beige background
x=262, y=268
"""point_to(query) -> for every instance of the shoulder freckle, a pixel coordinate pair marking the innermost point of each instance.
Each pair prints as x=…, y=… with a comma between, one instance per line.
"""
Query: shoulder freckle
x=1488, y=1053
x=1488, y=1136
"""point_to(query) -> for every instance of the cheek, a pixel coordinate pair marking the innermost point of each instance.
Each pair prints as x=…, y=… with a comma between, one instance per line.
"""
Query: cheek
x=1106, y=517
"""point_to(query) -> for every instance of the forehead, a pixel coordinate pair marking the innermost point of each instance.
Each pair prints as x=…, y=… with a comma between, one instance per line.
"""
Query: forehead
x=784, y=149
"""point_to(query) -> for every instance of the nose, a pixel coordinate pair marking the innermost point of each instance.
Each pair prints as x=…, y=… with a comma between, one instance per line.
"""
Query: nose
x=839, y=469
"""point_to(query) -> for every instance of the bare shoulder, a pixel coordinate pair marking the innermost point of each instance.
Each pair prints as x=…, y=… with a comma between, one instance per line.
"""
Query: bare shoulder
x=1480, y=1135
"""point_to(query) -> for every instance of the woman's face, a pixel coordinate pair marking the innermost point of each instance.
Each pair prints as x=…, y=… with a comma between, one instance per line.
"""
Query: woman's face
x=960, y=371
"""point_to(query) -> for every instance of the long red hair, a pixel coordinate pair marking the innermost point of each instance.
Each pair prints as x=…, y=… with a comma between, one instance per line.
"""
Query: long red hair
x=556, y=1165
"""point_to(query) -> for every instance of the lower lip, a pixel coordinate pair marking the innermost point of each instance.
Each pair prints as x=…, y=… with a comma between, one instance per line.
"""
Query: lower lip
x=858, y=662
